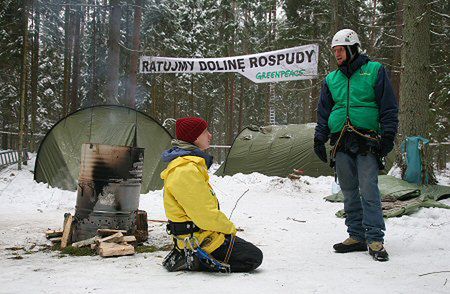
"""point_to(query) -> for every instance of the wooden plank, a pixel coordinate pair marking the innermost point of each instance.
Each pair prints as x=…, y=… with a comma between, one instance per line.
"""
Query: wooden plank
x=129, y=239
x=293, y=177
x=56, y=239
x=53, y=233
x=67, y=233
x=109, y=232
x=86, y=242
x=112, y=249
x=116, y=238
x=66, y=215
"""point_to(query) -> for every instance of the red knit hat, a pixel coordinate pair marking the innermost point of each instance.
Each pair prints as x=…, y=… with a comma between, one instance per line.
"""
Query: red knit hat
x=189, y=128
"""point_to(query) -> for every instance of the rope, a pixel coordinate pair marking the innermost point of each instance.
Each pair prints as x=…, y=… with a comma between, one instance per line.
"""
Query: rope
x=344, y=129
x=230, y=248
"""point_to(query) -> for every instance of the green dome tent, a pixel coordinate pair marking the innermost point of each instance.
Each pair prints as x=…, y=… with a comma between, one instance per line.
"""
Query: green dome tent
x=275, y=151
x=58, y=157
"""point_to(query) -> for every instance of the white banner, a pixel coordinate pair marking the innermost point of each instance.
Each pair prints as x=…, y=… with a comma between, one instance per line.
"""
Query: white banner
x=298, y=63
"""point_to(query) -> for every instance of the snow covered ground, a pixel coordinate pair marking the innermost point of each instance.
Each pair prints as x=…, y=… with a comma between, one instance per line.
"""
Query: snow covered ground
x=289, y=221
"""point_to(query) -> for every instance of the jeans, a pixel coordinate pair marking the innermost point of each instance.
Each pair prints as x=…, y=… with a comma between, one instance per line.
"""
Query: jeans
x=358, y=178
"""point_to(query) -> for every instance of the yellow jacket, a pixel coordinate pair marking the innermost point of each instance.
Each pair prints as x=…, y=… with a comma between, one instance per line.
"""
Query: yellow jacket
x=188, y=196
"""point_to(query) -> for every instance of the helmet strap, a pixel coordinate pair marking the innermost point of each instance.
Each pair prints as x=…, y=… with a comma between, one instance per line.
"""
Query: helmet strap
x=350, y=54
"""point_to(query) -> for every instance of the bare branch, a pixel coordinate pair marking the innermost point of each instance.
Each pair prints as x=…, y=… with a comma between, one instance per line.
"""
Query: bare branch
x=440, y=65
x=392, y=36
x=126, y=48
x=434, y=273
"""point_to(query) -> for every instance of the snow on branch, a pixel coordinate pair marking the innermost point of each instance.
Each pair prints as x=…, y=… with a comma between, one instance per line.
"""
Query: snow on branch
x=441, y=14
x=379, y=26
x=438, y=34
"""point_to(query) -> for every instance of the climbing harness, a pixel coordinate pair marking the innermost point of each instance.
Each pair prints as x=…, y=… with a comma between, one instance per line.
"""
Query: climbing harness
x=182, y=228
x=348, y=127
x=192, y=255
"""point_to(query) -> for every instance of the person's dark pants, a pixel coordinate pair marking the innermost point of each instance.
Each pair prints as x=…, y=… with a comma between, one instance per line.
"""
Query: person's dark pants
x=245, y=256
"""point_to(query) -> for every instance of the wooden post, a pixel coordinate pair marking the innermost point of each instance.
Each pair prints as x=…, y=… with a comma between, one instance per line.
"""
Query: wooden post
x=141, y=233
x=67, y=233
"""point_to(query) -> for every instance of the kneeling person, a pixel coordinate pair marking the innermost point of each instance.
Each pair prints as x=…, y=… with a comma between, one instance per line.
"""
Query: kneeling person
x=205, y=239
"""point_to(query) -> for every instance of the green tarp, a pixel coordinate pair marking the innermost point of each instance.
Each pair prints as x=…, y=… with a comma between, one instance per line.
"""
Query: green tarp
x=276, y=151
x=58, y=157
x=400, y=197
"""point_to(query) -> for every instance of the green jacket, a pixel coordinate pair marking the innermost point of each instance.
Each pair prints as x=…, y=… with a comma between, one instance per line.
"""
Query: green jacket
x=354, y=98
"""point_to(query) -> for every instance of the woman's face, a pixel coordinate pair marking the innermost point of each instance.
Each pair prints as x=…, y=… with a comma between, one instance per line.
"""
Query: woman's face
x=203, y=140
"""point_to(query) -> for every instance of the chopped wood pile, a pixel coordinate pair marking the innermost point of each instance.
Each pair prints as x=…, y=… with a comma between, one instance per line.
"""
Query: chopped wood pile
x=107, y=242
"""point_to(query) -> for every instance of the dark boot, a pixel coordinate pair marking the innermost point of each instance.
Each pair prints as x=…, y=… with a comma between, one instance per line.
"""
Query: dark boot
x=377, y=251
x=350, y=245
x=177, y=260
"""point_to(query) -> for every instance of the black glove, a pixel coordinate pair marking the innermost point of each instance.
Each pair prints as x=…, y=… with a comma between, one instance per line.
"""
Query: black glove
x=386, y=144
x=320, y=150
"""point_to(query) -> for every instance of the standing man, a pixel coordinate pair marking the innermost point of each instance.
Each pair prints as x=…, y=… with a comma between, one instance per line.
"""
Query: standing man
x=358, y=112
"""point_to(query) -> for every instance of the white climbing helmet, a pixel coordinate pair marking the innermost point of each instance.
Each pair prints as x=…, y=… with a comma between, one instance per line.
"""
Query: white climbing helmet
x=345, y=37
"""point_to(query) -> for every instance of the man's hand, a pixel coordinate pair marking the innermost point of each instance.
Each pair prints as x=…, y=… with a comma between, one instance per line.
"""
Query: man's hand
x=386, y=144
x=320, y=150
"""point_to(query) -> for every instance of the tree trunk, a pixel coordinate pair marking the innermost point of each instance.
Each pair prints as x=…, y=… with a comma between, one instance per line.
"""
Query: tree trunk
x=271, y=92
x=125, y=61
x=67, y=58
x=132, y=82
x=154, y=97
x=266, y=91
x=337, y=24
x=315, y=93
x=242, y=94
x=371, y=47
x=227, y=107
x=397, y=50
x=93, y=84
x=414, y=87
x=227, y=114
x=34, y=73
x=232, y=75
x=112, y=83
x=74, y=99
x=23, y=81
x=175, y=102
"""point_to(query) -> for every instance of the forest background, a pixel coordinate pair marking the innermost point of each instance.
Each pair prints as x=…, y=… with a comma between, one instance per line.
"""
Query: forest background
x=57, y=56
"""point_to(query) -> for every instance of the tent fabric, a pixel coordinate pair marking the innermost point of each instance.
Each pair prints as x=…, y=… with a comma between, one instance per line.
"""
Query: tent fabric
x=276, y=151
x=402, y=198
x=58, y=158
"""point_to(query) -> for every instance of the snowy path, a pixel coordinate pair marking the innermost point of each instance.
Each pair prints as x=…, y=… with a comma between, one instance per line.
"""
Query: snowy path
x=298, y=256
